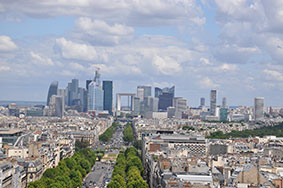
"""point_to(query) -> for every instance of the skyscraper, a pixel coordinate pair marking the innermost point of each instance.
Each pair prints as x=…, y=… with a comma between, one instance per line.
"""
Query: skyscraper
x=143, y=92
x=52, y=90
x=87, y=83
x=258, y=109
x=165, y=96
x=212, y=103
x=202, y=102
x=224, y=102
x=95, y=94
x=59, y=106
x=140, y=93
x=108, y=96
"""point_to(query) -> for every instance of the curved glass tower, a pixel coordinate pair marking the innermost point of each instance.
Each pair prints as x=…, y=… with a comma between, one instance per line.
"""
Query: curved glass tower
x=52, y=90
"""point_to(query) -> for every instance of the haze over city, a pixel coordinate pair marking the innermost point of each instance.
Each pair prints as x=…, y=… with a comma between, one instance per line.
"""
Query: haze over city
x=232, y=46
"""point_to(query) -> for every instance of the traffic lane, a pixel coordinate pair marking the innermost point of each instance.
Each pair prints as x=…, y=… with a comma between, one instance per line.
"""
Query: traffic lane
x=95, y=177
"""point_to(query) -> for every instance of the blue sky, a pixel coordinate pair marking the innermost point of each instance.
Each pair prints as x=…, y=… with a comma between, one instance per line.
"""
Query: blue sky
x=234, y=46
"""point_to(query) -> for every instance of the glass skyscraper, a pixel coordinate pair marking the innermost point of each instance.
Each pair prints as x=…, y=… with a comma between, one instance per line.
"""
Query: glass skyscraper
x=108, y=96
x=95, y=97
x=165, y=96
x=52, y=90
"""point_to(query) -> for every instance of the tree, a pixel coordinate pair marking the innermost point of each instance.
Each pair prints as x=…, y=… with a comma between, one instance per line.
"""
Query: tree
x=117, y=182
x=75, y=176
x=134, y=161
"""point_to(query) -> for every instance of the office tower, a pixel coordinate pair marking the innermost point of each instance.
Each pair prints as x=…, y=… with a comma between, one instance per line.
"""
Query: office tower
x=202, y=102
x=87, y=83
x=143, y=92
x=180, y=104
x=224, y=102
x=56, y=106
x=140, y=93
x=223, y=114
x=137, y=106
x=165, y=97
x=108, y=96
x=258, y=108
x=74, y=92
x=52, y=90
x=212, y=102
x=95, y=94
x=151, y=104
x=59, y=106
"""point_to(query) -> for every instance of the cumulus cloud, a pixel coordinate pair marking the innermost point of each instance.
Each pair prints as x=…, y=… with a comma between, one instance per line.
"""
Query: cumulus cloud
x=140, y=12
x=274, y=75
x=72, y=50
x=38, y=59
x=99, y=31
x=166, y=65
x=207, y=83
x=6, y=44
x=77, y=66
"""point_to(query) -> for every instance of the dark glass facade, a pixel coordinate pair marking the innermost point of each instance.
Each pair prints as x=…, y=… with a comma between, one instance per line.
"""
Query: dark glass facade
x=166, y=96
x=52, y=90
x=108, y=96
x=87, y=83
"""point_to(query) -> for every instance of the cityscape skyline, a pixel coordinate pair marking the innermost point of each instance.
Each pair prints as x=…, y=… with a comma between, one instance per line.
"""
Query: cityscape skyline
x=141, y=43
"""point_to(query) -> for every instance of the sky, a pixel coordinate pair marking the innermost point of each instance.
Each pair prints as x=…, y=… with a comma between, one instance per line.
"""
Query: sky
x=233, y=46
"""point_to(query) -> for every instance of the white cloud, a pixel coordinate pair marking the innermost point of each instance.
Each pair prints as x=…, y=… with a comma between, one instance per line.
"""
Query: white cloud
x=77, y=66
x=72, y=50
x=138, y=12
x=6, y=44
x=228, y=67
x=274, y=75
x=207, y=83
x=99, y=31
x=166, y=65
x=4, y=68
x=205, y=61
x=38, y=59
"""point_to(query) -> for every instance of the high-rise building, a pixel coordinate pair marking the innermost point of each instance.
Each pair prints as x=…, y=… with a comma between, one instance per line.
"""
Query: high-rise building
x=180, y=104
x=56, y=106
x=59, y=106
x=108, y=96
x=143, y=92
x=224, y=102
x=202, y=102
x=87, y=83
x=140, y=93
x=52, y=90
x=165, y=96
x=212, y=103
x=258, y=109
x=137, y=106
x=95, y=94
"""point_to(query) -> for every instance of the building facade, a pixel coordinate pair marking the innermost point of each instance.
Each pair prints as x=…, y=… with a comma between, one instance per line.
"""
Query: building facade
x=212, y=103
x=108, y=96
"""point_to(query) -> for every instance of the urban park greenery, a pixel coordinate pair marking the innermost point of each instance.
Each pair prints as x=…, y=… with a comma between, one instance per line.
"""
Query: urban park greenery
x=276, y=130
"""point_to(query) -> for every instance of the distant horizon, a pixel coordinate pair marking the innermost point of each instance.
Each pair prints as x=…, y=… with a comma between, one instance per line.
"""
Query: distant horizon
x=44, y=102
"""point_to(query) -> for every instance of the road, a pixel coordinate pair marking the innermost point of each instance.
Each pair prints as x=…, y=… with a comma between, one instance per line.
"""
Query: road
x=101, y=173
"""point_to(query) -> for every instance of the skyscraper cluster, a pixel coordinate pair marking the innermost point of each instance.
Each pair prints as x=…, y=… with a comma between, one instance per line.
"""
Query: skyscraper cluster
x=95, y=97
